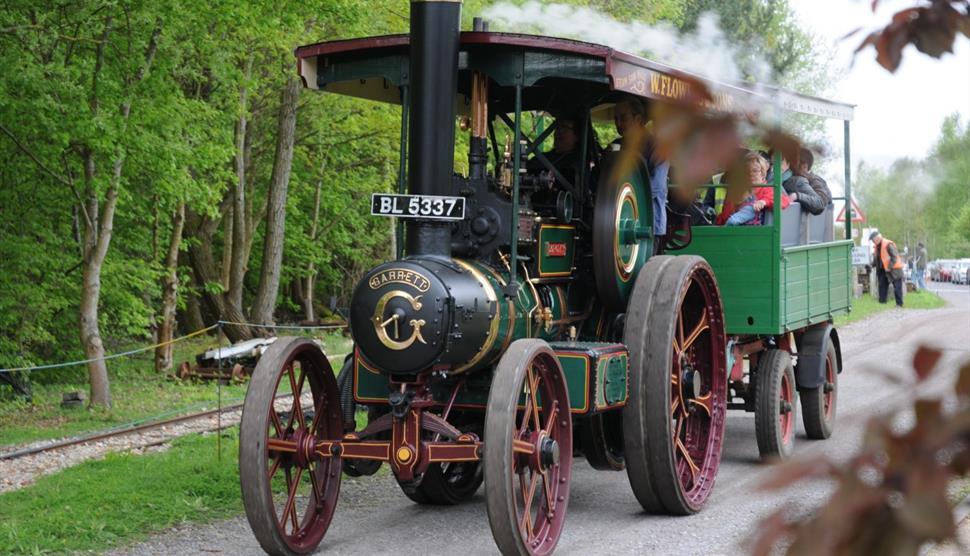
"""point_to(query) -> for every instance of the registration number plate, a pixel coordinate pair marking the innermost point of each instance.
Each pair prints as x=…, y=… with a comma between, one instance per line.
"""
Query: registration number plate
x=437, y=207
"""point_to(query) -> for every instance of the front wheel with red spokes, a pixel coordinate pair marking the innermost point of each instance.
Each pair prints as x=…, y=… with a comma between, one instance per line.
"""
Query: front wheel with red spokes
x=776, y=405
x=528, y=450
x=673, y=423
x=289, y=486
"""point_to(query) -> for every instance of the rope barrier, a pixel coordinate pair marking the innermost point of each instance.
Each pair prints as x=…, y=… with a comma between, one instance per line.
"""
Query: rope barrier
x=112, y=356
x=172, y=341
x=284, y=326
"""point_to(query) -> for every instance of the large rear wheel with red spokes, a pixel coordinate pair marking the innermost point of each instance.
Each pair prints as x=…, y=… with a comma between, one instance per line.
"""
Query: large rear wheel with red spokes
x=776, y=405
x=528, y=450
x=673, y=424
x=289, y=488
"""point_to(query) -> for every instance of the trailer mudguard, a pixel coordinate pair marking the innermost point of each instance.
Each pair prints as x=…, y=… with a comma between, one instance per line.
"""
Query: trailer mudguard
x=813, y=344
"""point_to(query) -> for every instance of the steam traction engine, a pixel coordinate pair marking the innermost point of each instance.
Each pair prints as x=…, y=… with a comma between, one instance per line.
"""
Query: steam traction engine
x=526, y=321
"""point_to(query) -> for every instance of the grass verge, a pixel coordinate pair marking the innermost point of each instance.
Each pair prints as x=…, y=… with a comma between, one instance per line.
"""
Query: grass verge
x=123, y=498
x=868, y=305
x=137, y=391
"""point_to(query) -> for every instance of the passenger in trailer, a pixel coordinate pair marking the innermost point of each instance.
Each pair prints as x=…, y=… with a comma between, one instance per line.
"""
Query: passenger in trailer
x=818, y=185
x=713, y=203
x=630, y=119
x=750, y=210
x=798, y=188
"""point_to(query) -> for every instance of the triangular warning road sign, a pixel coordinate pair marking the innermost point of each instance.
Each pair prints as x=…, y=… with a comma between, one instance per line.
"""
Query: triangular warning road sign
x=857, y=214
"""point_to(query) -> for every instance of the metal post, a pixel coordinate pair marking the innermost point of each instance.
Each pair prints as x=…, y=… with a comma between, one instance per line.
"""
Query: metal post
x=776, y=186
x=402, y=167
x=848, y=182
x=512, y=290
x=584, y=158
x=219, y=395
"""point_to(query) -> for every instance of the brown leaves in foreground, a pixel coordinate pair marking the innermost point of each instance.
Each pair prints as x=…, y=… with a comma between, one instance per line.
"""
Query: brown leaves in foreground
x=931, y=29
x=890, y=498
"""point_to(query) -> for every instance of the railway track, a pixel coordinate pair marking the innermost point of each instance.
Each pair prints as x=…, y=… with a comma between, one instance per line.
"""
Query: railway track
x=102, y=435
x=22, y=466
x=132, y=429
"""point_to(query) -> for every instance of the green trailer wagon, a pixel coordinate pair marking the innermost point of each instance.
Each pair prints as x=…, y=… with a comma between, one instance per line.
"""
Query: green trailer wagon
x=782, y=284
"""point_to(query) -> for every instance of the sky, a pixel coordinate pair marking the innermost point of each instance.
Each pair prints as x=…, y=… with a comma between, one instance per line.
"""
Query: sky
x=897, y=115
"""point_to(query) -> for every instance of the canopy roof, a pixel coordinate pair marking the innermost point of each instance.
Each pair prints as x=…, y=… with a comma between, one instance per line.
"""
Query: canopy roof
x=554, y=73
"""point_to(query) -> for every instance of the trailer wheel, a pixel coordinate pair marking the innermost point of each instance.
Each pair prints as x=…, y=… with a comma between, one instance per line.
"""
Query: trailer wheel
x=818, y=404
x=673, y=424
x=776, y=408
x=528, y=453
x=290, y=489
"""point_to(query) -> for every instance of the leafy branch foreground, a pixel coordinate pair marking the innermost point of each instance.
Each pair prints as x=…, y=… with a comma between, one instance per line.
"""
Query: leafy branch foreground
x=100, y=504
x=891, y=497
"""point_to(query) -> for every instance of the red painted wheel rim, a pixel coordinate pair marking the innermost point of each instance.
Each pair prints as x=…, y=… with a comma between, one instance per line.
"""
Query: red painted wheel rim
x=698, y=409
x=786, y=422
x=305, y=486
x=539, y=486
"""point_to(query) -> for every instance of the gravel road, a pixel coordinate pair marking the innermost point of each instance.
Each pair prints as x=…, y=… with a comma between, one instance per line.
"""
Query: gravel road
x=373, y=517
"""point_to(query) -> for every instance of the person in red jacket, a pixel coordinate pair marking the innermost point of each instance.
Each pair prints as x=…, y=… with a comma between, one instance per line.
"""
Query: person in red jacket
x=749, y=210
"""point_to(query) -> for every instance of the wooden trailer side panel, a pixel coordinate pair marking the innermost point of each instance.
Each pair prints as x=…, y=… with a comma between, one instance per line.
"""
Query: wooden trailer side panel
x=816, y=281
x=745, y=262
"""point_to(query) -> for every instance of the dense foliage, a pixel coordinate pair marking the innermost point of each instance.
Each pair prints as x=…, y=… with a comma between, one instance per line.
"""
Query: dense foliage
x=924, y=200
x=140, y=143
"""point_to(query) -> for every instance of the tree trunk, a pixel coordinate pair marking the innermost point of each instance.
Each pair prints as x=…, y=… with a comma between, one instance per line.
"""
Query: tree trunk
x=227, y=253
x=237, y=267
x=191, y=318
x=205, y=273
x=311, y=275
x=269, y=279
x=170, y=285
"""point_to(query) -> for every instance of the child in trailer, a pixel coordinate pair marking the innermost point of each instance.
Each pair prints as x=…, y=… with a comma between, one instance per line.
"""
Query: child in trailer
x=750, y=210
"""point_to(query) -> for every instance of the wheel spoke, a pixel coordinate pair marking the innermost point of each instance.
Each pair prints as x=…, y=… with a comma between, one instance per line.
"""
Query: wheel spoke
x=289, y=374
x=547, y=489
x=675, y=405
x=705, y=402
x=680, y=332
x=315, y=485
x=690, y=462
x=290, y=507
x=318, y=411
x=526, y=510
x=525, y=415
x=276, y=465
x=533, y=384
x=277, y=424
x=551, y=420
x=702, y=325
x=298, y=397
x=529, y=499
x=678, y=426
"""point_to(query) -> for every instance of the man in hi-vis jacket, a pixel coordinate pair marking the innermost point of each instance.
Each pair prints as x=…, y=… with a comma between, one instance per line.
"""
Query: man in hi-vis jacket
x=889, y=267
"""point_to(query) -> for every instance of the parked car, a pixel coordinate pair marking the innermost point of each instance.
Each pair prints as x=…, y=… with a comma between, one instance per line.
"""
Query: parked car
x=960, y=273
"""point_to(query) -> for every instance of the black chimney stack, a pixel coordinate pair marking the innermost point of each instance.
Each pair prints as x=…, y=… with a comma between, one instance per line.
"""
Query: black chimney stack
x=435, y=25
